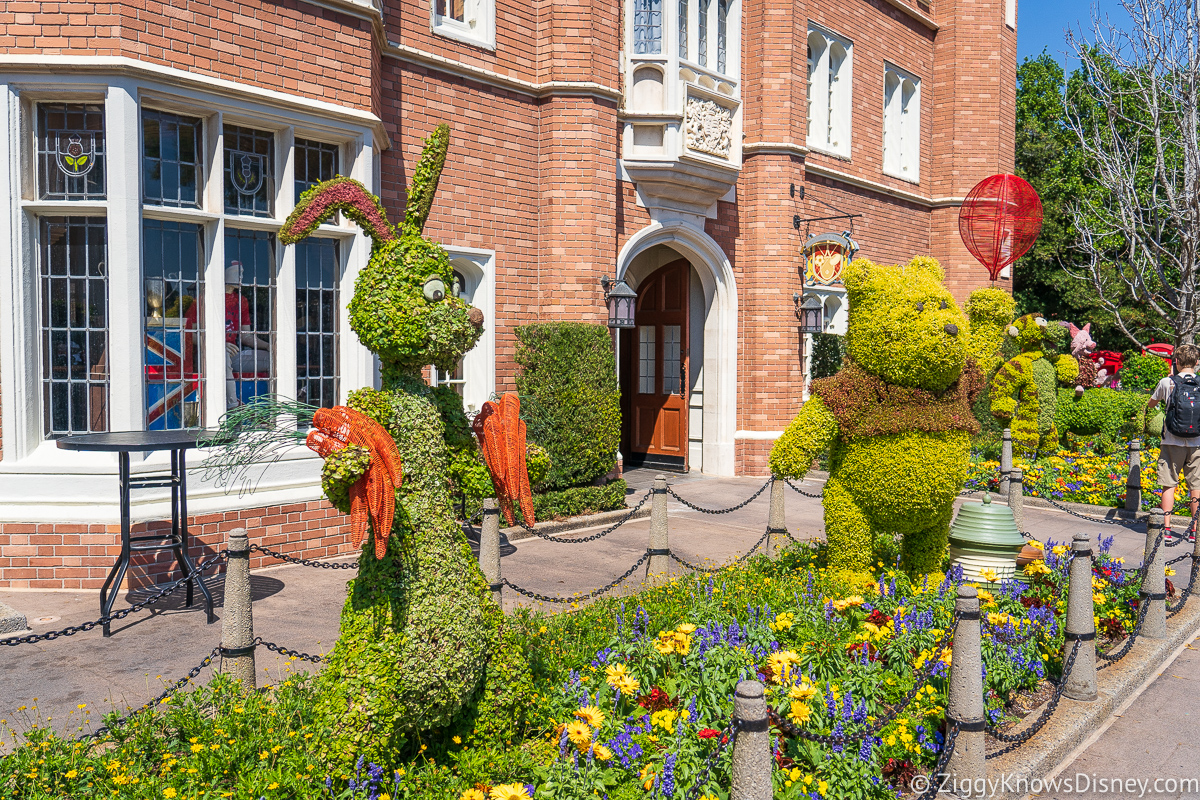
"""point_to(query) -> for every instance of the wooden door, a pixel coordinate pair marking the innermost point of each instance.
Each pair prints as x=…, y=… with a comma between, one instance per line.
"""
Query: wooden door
x=658, y=429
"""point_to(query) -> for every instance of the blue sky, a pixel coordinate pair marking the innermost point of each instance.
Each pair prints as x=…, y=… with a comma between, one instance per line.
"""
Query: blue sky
x=1041, y=24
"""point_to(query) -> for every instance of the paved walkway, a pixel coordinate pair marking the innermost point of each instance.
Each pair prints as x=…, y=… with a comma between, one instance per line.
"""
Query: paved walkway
x=298, y=607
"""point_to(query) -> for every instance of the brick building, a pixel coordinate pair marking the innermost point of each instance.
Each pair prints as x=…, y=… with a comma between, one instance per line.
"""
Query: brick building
x=152, y=150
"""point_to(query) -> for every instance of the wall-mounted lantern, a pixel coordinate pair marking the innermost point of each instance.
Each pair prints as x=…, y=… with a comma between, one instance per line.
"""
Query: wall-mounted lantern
x=620, y=299
x=811, y=313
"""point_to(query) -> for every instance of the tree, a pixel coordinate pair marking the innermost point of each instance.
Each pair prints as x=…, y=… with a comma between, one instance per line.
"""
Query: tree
x=1134, y=108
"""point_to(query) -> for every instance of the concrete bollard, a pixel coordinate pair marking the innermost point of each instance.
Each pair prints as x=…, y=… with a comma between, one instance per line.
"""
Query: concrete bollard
x=237, y=626
x=967, y=766
x=1005, y=461
x=489, y=547
x=1016, y=497
x=659, y=562
x=1133, y=485
x=1081, y=623
x=751, y=765
x=1154, y=585
x=776, y=525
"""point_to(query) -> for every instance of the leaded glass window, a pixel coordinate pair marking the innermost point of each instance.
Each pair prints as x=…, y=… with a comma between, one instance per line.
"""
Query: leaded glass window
x=722, y=34
x=315, y=162
x=172, y=307
x=647, y=26
x=646, y=358
x=74, y=324
x=70, y=151
x=249, y=171
x=316, y=322
x=171, y=162
x=702, y=41
x=672, y=363
x=683, y=28
x=250, y=327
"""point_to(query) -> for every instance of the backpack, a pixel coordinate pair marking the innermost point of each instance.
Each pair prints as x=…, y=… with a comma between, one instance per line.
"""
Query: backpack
x=1183, y=412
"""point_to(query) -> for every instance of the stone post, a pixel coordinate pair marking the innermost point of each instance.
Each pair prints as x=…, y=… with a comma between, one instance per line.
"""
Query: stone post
x=1016, y=497
x=489, y=547
x=751, y=768
x=776, y=526
x=1081, y=623
x=659, y=562
x=965, y=703
x=1133, y=485
x=1005, y=461
x=1154, y=585
x=237, y=627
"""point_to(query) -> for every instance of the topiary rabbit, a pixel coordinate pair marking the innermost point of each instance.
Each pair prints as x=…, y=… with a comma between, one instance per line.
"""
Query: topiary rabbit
x=419, y=629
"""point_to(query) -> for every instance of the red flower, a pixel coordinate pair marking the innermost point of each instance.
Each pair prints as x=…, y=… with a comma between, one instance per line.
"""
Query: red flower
x=708, y=733
x=657, y=700
x=879, y=618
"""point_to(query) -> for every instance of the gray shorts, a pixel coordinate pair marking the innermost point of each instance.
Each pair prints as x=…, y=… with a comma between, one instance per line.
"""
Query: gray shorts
x=1175, y=458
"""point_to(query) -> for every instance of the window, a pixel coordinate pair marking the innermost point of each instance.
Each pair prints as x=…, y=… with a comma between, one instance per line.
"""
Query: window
x=172, y=279
x=722, y=34
x=672, y=362
x=317, y=271
x=683, y=28
x=829, y=79
x=901, y=124
x=646, y=355
x=171, y=163
x=647, y=26
x=249, y=315
x=315, y=162
x=456, y=378
x=74, y=324
x=249, y=171
x=70, y=151
x=471, y=21
x=702, y=37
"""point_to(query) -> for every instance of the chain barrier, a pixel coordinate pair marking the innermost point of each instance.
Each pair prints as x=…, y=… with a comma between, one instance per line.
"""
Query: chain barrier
x=71, y=630
x=170, y=690
x=552, y=538
x=1172, y=610
x=798, y=490
x=1075, y=513
x=729, y=510
x=545, y=598
x=306, y=562
x=727, y=739
x=1115, y=656
x=939, y=769
x=1018, y=739
x=733, y=563
x=283, y=651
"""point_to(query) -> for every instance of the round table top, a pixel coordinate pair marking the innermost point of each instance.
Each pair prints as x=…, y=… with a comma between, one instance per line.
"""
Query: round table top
x=129, y=441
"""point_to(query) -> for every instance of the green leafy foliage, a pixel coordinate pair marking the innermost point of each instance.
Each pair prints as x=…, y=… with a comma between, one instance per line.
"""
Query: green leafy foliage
x=580, y=500
x=1103, y=413
x=570, y=399
x=424, y=183
x=828, y=350
x=1142, y=371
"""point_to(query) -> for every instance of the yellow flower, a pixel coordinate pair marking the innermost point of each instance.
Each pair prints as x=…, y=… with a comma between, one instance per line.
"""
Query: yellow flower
x=627, y=685
x=989, y=575
x=664, y=719
x=472, y=794
x=509, y=791
x=273, y=785
x=1059, y=550
x=579, y=733
x=72, y=774
x=1037, y=544
x=601, y=753
x=615, y=673
x=666, y=646
x=986, y=598
x=686, y=627
x=1170, y=571
x=781, y=664
x=782, y=621
x=591, y=715
x=456, y=739
x=804, y=692
x=1037, y=568
x=800, y=713
x=1099, y=599
x=196, y=748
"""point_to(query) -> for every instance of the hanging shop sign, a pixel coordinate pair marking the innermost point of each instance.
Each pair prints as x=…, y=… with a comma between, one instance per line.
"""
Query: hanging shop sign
x=825, y=256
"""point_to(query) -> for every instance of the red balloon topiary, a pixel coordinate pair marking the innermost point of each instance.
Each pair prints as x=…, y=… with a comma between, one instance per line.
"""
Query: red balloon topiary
x=999, y=221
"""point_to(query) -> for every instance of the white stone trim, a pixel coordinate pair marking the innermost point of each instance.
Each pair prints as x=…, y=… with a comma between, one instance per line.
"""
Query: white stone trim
x=863, y=183
x=775, y=148
x=925, y=20
x=768, y=436
x=482, y=34
x=479, y=363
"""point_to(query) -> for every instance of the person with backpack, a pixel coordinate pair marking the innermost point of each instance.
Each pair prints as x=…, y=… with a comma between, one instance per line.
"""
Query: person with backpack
x=1180, y=451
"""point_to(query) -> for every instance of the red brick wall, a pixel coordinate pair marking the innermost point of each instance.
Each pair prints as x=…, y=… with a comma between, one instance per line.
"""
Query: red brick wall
x=65, y=556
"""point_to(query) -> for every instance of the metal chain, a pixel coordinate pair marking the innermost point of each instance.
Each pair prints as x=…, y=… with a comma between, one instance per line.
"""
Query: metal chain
x=1115, y=656
x=726, y=740
x=798, y=490
x=1019, y=739
x=545, y=598
x=1172, y=610
x=304, y=561
x=71, y=630
x=551, y=538
x=1075, y=513
x=733, y=563
x=170, y=690
x=939, y=769
x=283, y=651
x=729, y=510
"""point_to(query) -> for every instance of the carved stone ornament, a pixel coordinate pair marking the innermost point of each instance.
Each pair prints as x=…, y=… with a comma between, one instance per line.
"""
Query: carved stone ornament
x=708, y=127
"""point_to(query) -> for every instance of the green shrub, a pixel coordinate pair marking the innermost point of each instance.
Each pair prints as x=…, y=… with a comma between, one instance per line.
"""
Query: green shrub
x=579, y=500
x=828, y=350
x=1141, y=372
x=570, y=398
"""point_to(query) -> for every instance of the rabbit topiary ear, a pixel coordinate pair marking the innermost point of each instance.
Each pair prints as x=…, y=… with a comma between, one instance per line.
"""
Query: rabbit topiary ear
x=337, y=194
x=425, y=179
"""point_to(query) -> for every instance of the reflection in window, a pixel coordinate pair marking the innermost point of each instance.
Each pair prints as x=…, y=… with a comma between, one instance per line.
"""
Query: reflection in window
x=74, y=324
x=683, y=28
x=457, y=378
x=70, y=151
x=454, y=9
x=173, y=280
x=672, y=378
x=249, y=317
x=722, y=35
x=646, y=354
x=316, y=322
x=647, y=26
x=170, y=159
x=702, y=42
x=315, y=162
x=249, y=171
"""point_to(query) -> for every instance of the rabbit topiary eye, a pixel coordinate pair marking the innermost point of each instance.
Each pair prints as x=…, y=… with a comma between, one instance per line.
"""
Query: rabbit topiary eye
x=435, y=289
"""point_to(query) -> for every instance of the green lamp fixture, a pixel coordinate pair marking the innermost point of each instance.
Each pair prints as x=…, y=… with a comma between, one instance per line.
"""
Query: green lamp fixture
x=984, y=536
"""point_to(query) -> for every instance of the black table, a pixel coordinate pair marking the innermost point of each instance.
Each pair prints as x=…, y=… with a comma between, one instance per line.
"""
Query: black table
x=123, y=443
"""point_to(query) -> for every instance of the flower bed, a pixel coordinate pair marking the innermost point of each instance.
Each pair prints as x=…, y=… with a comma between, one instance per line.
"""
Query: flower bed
x=632, y=697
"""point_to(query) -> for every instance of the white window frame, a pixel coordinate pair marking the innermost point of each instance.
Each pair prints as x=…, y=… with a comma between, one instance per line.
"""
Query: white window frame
x=830, y=91
x=478, y=29
x=478, y=268
x=901, y=124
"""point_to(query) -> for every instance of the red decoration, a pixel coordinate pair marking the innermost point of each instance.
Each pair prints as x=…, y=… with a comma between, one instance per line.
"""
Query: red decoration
x=1000, y=220
x=501, y=435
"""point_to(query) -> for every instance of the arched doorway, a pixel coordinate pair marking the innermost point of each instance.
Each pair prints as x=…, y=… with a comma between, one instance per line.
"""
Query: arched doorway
x=656, y=370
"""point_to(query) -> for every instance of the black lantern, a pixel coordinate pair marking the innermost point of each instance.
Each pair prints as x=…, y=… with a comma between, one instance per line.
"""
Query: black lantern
x=620, y=299
x=811, y=314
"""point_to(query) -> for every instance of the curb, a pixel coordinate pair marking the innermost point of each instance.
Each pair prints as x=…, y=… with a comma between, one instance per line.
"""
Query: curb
x=516, y=533
x=1075, y=721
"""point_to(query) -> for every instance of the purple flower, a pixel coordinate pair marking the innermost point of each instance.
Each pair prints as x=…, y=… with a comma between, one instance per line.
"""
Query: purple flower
x=864, y=751
x=668, y=776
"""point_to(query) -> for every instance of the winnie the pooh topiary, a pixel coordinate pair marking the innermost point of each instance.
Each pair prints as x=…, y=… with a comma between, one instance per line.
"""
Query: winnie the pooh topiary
x=898, y=417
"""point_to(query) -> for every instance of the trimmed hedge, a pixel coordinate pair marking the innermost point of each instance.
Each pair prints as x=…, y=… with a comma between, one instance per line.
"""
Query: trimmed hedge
x=570, y=399
x=1141, y=372
x=580, y=500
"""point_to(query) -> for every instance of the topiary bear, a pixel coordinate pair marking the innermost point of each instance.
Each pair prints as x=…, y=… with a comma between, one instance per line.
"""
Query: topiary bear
x=1024, y=389
x=419, y=629
x=898, y=417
